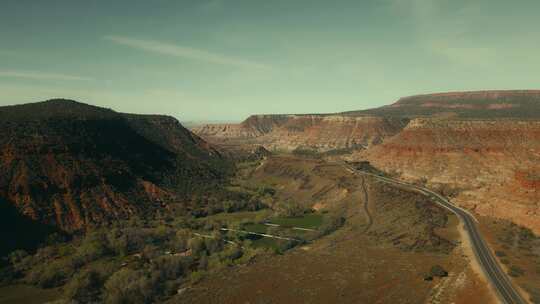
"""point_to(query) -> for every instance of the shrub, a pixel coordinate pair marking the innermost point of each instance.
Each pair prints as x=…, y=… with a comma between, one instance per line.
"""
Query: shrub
x=197, y=276
x=170, y=267
x=118, y=242
x=181, y=239
x=196, y=245
x=19, y=259
x=438, y=271
x=330, y=224
x=84, y=287
x=130, y=286
x=232, y=253
x=500, y=253
x=264, y=190
x=526, y=234
x=213, y=245
x=162, y=232
x=515, y=271
x=212, y=225
x=203, y=262
x=150, y=251
x=218, y=261
x=284, y=246
x=93, y=247
x=137, y=238
x=290, y=209
x=52, y=274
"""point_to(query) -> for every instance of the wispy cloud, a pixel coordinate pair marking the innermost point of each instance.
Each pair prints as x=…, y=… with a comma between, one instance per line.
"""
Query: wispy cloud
x=185, y=52
x=40, y=75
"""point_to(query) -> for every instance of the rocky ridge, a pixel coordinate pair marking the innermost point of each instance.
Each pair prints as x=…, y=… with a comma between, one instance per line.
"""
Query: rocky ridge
x=71, y=165
x=314, y=132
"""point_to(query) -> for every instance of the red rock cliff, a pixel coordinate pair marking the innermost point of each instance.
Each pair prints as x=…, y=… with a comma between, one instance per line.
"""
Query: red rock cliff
x=316, y=132
x=70, y=165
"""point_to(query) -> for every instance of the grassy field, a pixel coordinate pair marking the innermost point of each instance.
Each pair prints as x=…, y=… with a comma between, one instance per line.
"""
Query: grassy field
x=308, y=221
x=257, y=228
x=228, y=218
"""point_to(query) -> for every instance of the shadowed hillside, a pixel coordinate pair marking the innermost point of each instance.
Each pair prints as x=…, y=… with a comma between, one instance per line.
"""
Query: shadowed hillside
x=18, y=231
x=70, y=164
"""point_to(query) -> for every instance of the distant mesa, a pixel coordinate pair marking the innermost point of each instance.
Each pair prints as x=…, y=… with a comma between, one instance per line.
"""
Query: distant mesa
x=524, y=104
x=367, y=127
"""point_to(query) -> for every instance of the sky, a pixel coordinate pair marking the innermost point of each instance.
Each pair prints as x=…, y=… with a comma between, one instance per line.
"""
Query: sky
x=227, y=59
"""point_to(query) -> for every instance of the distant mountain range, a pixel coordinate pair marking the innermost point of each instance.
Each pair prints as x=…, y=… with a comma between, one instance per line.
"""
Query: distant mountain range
x=196, y=123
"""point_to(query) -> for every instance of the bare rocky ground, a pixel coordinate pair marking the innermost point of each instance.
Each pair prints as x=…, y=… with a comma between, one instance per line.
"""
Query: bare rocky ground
x=387, y=263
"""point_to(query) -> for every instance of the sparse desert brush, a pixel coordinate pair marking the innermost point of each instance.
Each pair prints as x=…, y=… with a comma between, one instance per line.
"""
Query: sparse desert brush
x=197, y=276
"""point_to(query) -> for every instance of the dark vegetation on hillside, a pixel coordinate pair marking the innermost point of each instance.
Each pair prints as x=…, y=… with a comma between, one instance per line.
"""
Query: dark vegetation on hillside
x=20, y=232
x=54, y=109
x=71, y=165
x=149, y=259
x=409, y=221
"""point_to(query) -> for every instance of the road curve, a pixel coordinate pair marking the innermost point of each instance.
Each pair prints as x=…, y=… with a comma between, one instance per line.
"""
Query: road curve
x=496, y=276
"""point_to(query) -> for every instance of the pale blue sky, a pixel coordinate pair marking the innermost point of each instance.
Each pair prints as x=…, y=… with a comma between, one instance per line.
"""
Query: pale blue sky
x=225, y=60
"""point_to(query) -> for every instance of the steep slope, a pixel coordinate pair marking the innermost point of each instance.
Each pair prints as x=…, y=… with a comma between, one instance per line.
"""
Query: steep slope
x=492, y=165
x=483, y=146
x=70, y=165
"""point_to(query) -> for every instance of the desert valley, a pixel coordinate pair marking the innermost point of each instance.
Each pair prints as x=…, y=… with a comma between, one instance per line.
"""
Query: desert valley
x=134, y=208
x=269, y=152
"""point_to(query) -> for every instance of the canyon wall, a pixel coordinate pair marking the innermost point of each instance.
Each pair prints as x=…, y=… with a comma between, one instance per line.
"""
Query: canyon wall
x=492, y=166
x=483, y=145
x=310, y=132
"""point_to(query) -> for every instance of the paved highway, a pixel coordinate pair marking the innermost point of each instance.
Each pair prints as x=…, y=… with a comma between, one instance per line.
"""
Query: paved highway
x=497, y=277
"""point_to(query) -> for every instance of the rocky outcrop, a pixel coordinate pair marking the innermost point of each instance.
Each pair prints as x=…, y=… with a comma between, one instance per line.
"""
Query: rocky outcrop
x=254, y=126
x=314, y=132
x=225, y=131
x=70, y=165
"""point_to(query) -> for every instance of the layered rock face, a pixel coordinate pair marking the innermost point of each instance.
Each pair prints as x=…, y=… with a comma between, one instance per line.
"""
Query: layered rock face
x=485, y=145
x=314, y=132
x=69, y=165
x=492, y=165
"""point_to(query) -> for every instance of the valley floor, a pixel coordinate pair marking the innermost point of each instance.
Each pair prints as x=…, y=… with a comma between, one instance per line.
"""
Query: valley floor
x=352, y=265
